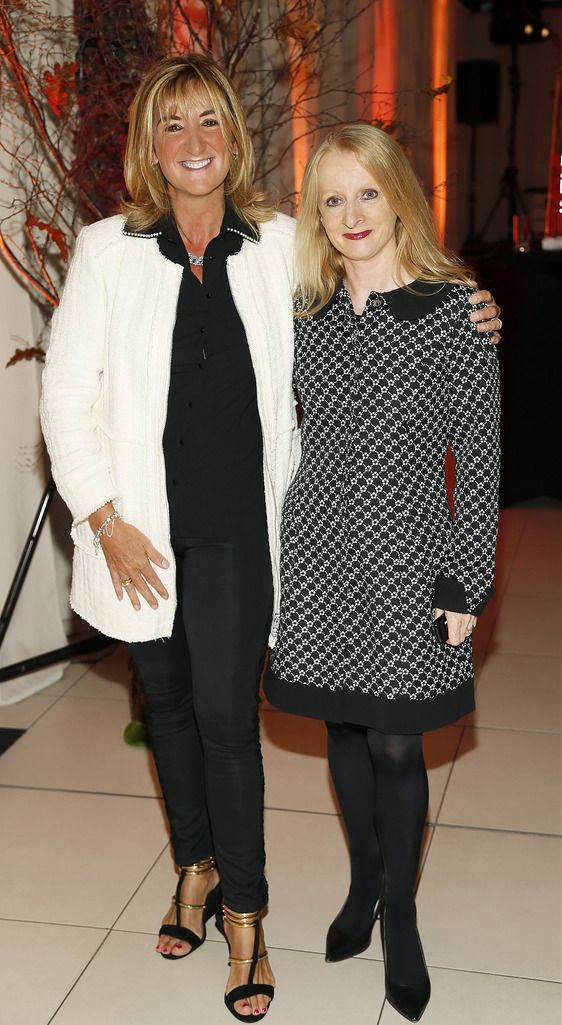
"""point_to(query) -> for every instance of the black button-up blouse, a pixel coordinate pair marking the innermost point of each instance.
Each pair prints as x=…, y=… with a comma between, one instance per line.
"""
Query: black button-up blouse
x=213, y=446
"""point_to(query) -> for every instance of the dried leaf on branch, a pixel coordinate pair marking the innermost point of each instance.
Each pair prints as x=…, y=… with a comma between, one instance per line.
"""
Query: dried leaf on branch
x=299, y=28
x=34, y=352
x=59, y=86
x=54, y=233
x=440, y=89
x=67, y=83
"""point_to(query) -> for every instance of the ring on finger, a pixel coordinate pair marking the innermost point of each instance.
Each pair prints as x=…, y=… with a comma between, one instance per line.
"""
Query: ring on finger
x=127, y=582
x=500, y=323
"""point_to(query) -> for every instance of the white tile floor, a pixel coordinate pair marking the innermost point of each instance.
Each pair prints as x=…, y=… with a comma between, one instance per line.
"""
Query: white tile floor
x=85, y=868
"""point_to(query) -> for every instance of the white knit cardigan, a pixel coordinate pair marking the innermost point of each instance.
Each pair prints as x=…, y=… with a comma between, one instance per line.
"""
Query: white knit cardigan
x=105, y=393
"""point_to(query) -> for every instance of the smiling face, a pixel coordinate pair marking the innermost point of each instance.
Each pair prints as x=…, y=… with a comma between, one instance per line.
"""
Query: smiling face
x=190, y=148
x=357, y=218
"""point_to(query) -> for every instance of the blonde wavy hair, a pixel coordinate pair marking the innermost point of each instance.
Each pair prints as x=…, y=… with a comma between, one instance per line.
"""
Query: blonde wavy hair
x=167, y=89
x=320, y=267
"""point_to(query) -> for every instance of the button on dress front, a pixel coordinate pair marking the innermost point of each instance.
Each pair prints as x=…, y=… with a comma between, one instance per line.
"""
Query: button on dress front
x=369, y=545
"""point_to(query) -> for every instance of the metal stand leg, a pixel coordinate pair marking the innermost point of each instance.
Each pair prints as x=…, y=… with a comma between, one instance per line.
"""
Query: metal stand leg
x=135, y=731
x=29, y=665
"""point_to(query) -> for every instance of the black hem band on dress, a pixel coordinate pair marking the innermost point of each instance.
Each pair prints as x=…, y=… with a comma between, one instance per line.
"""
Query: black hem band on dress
x=400, y=715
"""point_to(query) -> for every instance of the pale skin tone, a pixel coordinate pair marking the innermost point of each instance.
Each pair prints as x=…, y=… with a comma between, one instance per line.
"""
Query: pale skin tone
x=194, y=158
x=360, y=224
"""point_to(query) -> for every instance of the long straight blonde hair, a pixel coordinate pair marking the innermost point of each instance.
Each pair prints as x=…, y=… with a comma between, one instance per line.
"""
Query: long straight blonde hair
x=167, y=89
x=320, y=267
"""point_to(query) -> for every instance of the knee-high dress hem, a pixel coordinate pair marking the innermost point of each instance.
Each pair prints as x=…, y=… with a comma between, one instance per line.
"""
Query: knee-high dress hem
x=397, y=715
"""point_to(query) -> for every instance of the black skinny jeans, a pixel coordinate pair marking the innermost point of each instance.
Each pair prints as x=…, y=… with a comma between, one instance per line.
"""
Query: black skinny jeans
x=201, y=691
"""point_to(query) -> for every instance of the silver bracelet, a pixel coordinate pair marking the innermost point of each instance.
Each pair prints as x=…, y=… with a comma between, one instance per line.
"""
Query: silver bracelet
x=102, y=529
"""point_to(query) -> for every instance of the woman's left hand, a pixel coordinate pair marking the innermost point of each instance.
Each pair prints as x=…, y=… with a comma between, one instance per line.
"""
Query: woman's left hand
x=459, y=624
x=487, y=319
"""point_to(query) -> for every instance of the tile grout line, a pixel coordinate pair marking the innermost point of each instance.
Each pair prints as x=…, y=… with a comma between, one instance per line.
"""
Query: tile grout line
x=475, y=684
x=143, y=880
x=500, y=597
x=511, y=729
x=514, y=555
x=430, y=823
x=58, y=925
x=433, y=823
x=108, y=934
x=83, y=793
x=110, y=930
x=57, y=697
x=496, y=829
x=79, y=976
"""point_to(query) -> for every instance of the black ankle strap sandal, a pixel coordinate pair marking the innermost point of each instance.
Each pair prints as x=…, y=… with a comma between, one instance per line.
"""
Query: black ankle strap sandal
x=250, y=988
x=209, y=908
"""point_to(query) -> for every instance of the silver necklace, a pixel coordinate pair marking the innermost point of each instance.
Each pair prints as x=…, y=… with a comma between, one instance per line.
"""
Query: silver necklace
x=195, y=261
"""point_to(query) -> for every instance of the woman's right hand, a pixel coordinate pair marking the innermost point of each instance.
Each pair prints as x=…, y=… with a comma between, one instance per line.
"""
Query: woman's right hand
x=130, y=556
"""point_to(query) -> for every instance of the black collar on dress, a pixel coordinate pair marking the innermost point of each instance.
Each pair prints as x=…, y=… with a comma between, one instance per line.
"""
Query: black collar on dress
x=166, y=226
x=403, y=304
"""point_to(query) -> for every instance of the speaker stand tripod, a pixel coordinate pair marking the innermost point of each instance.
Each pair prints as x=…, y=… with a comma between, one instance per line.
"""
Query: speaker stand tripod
x=509, y=184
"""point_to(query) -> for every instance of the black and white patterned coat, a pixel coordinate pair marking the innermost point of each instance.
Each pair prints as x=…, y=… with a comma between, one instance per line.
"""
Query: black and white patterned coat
x=369, y=546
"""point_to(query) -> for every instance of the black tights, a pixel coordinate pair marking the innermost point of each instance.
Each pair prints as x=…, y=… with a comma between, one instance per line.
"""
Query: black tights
x=381, y=783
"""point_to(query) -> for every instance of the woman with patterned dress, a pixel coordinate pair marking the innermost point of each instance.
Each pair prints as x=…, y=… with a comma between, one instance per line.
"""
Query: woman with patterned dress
x=389, y=372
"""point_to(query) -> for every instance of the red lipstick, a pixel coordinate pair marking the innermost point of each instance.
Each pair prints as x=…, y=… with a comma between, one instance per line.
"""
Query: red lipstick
x=353, y=235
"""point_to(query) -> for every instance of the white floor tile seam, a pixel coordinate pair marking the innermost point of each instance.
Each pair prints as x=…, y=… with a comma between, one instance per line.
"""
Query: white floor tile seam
x=490, y=975
x=84, y=793
x=218, y=939
x=108, y=927
x=55, y=701
x=433, y=966
x=87, y=667
x=79, y=976
x=43, y=712
x=96, y=699
x=496, y=829
x=503, y=590
x=431, y=824
x=513, y=729
x=141, y=883
x=60, y=925
x=119, y=698
x=304, y=811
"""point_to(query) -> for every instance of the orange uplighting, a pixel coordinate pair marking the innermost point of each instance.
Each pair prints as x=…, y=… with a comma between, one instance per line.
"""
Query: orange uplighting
x=384, y=67
x=188, y=28
x=299, y=121
x=440, y=54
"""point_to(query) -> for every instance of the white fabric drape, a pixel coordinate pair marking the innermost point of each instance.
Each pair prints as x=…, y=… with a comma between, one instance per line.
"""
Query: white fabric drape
x=37, y=623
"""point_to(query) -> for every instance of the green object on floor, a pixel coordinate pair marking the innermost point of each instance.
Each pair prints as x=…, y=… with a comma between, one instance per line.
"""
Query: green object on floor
x=134, y=734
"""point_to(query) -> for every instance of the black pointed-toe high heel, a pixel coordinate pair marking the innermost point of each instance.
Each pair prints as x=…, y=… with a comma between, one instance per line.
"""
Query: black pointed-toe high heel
x=250, y=988
x=409, y=1000
x=208, y=909
x=341, y=944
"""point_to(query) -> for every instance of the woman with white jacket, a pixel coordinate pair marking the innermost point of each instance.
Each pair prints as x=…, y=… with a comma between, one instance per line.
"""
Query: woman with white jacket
x=168, y=413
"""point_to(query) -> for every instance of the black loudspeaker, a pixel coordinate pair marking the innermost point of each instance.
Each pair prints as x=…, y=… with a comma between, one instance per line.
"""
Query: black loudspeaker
x=517, y=21
x=478, y=92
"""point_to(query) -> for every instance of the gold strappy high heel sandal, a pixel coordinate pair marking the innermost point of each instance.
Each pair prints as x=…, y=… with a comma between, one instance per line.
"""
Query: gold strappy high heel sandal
x=250, y=988
x=209, y=908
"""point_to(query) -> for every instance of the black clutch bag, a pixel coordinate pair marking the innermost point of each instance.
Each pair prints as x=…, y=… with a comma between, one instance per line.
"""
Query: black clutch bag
x=441, y=629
